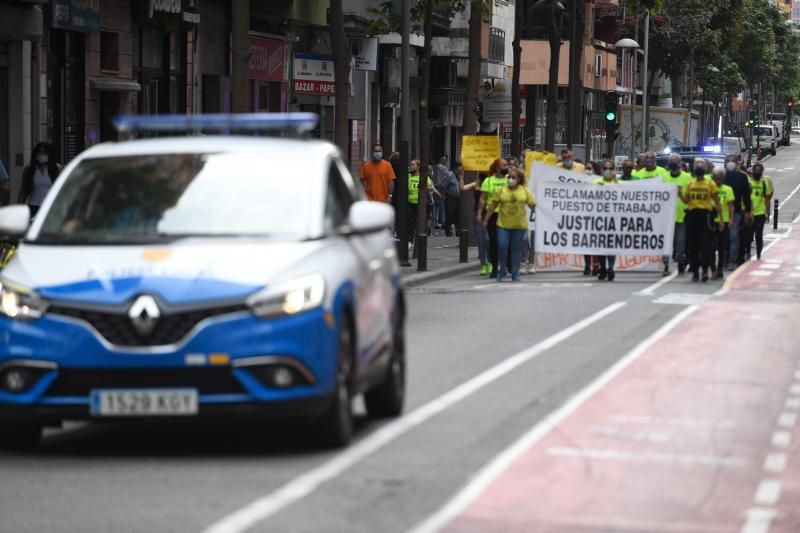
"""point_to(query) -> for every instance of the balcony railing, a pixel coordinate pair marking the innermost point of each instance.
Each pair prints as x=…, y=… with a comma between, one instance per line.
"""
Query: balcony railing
x=497, y=46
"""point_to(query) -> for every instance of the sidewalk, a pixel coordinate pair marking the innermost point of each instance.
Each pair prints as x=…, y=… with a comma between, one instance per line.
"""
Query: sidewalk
x=443, y=261
x=693, y=431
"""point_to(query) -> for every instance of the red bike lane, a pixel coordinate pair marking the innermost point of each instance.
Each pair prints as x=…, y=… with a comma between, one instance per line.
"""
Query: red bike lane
x=699, y=433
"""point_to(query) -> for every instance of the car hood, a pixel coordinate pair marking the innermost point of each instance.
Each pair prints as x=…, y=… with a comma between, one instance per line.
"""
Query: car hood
x=180, y=273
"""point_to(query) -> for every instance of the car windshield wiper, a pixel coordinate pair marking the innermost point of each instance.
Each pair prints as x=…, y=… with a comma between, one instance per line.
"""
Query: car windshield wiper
x=67, y=239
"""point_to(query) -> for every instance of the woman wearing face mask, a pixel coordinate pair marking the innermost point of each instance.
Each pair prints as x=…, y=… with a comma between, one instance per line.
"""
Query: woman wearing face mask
x=497, y=179
x=512, y=222
x=413, y=197
x=702, y=199
x=38, y=177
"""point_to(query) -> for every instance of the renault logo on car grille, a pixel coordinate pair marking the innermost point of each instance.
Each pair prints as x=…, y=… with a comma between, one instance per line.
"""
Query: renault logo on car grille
x=144, y=314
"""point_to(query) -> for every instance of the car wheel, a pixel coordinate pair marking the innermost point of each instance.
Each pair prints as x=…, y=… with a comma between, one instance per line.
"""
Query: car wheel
x=19, y=436
x=387, y=398
x=336, y=426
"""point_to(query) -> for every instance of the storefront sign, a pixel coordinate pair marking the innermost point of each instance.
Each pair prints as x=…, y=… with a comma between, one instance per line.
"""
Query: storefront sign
x=479, y=151
x=164, y=6
x=314, y=74
x=497, y=104
x=365, y=53
x=268, y=60
x=77, y=15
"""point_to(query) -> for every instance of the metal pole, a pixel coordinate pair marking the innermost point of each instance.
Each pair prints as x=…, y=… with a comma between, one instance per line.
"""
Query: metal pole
x=405, y=135
x=775, y=214
x=633, y=101
x=645, y=135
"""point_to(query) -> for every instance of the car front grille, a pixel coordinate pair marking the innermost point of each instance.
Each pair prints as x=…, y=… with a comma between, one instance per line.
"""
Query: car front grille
x=80, y=381
x=117, y=328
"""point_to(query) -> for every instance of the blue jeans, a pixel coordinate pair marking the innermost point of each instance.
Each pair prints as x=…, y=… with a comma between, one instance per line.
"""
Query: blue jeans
x=528, y=248
x=678, y=246
x=482, y=236
x=438, y=211
x=733, y=249
x=512, y=238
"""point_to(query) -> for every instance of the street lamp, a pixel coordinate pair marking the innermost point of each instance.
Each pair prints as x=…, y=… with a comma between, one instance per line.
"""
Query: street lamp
x=630, y=44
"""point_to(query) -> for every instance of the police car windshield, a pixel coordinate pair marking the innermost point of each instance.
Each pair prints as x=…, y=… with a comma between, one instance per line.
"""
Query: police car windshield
x=166, y=196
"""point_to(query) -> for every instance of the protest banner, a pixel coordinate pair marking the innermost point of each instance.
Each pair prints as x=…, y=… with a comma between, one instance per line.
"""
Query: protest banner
x=478, y=152
x=621, y=219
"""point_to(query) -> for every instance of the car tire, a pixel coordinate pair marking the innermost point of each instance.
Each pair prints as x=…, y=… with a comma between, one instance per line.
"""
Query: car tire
x=387, y=398
x=19, y=436
x=336, y=425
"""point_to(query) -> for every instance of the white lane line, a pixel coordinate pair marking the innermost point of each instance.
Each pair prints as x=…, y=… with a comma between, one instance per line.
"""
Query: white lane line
x=792, y=403
x=775, y=462
x=794, y=275
x=761, y=273
x=789, y=197
x=771, y=266
x=303, y=485
x=758, y=520
x=648, y=457
x=787, y=420
x=501, y=462
x=768, y=492
x=781, y=439
x=649, y=291
x=795, y=389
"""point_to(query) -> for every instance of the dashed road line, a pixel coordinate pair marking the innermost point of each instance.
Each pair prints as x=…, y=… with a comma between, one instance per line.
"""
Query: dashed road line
x=759, y=520
x=792, y=403
x=781, y=439
x=768, y=492
x=775, y=462
x=787, y=420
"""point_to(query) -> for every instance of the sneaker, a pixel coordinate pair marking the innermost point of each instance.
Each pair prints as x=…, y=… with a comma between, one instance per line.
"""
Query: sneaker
x=530, y=270
x=611, y=275
x=601, y=275
x=485, y=269
x=705, y=277
x=666, y=271
x=695, y=277
x=501, y=276
x=523, y=267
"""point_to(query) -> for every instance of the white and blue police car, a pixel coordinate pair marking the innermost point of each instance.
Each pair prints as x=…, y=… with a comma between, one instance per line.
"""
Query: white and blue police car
x=201, y=275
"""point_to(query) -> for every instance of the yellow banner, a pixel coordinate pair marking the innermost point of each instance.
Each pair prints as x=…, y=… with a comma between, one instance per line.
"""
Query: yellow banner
x=478, y=152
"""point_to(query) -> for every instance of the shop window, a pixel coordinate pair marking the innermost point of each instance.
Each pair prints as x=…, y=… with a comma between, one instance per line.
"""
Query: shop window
x=109, y=51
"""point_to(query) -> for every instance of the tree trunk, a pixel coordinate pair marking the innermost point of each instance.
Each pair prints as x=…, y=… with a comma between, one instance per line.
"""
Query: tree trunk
x=469, y=126
x=575, y=93
x=474, y=68
x=240, y=29
x=341, y=71
x=516, y=104
x=424, y=132
x=553, y=35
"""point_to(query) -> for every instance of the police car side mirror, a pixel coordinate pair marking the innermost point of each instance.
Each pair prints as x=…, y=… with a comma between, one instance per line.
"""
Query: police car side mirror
x=370, y=217
x=14, y=220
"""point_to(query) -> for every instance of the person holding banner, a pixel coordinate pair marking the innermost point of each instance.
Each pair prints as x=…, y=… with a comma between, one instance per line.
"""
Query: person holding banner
x=676, y=176
x=497, y=179
x=702, y=198
x=607, y=262
x=512, y=222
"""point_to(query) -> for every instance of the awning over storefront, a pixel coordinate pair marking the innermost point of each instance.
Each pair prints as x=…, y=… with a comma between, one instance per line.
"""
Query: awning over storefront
x=113, y=84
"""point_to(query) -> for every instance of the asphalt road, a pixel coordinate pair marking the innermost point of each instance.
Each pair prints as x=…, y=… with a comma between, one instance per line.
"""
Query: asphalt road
x=486, y=363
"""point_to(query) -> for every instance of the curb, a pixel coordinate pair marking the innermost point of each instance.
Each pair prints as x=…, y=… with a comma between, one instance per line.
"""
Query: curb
x=415, y=280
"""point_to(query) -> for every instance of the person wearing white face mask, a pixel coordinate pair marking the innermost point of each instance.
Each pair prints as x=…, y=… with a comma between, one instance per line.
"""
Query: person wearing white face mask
x=512, y=222
x=742, y=209
x=38, y=177
x=377, y=176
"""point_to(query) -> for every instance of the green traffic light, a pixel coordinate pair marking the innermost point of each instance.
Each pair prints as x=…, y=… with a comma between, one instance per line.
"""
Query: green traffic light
x=611, y=116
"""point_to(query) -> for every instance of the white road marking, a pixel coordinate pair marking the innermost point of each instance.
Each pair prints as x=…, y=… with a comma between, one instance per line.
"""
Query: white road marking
x=649, y=291
x=797, y=267
x=758, y=520
x=775, y=462
x=789, y=197
x=665, y=421
x=794, y=275
x=771, y=266
x=676, y=298
x=768, y=492
x=781, y=439
x=502, y=461
x=792, y=403
x=787, y=420
x=305, y=484
x=797, y=375
x=761, y=273
x=795, y=389
x=647, y=457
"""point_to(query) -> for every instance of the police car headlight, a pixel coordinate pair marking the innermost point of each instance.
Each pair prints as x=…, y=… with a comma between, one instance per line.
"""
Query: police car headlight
x=289, y=298
x=20, y=303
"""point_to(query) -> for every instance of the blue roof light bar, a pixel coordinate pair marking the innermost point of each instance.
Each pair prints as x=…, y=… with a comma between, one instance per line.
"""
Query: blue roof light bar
x=296, y=122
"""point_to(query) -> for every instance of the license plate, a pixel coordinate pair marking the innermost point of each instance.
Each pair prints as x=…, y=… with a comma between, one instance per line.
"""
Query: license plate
x=131, y=402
